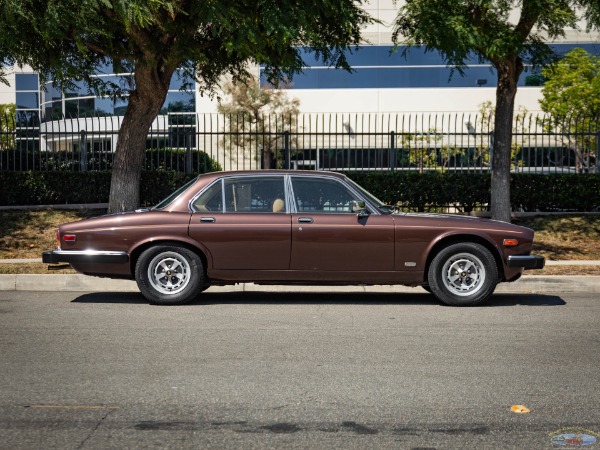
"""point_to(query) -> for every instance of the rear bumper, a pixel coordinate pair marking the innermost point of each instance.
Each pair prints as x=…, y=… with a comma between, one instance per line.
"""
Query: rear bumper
x=526, y=262
x=84, y=256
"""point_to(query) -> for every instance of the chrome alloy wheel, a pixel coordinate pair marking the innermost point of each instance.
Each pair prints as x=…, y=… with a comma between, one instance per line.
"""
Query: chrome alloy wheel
x=169, y=273
x=463, y=274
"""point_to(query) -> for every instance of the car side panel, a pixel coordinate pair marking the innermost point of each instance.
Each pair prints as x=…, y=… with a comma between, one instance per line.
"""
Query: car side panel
x=244, y=241
x=123, y=232
x=342, y=242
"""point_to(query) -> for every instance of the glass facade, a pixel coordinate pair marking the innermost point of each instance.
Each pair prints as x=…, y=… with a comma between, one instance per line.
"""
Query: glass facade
x=80, y=101
x=28, y=99
x=379, y=67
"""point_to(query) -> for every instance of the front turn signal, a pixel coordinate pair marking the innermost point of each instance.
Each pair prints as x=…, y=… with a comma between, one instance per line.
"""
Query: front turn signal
x=510, y=242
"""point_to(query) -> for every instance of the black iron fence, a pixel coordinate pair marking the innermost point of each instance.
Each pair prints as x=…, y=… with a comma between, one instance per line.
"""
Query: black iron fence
x=206, y=142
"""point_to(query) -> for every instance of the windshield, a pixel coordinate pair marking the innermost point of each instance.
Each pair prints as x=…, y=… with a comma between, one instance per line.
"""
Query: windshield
x=167, y=201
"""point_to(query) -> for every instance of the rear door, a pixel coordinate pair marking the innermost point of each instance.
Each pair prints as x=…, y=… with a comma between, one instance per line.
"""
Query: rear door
x=244, y=223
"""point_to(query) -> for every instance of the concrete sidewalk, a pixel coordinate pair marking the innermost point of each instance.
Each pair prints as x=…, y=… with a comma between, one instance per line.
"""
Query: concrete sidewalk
x=528, y=284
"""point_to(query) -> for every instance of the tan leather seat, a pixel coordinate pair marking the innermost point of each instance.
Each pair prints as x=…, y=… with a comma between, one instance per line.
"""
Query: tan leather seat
x=278, y=205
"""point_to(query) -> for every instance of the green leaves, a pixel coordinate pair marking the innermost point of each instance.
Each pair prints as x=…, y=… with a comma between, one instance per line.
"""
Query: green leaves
x=66, y=39
x=572, y=86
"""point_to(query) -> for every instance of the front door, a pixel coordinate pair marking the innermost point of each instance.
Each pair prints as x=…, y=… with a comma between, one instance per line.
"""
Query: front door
x=327, y=236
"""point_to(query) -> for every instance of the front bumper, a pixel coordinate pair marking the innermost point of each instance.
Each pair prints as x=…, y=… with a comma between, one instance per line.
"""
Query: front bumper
x=84, y=256
x=526, y=262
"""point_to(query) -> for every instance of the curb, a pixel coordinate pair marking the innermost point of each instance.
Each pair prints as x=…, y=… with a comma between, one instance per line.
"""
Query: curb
x=530, y=284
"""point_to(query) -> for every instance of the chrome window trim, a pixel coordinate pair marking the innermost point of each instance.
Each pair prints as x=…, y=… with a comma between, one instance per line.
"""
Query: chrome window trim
x=239, y=176
x=191, y=208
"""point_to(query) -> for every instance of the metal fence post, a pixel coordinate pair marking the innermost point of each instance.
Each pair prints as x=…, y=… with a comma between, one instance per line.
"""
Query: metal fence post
x=392, y=151
x=286, y=148
x=83, y=157
x=188, y=151
x=598, y=152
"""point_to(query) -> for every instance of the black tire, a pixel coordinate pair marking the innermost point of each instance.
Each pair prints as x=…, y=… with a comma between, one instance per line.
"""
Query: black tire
x=169, y=275
x=463, y=274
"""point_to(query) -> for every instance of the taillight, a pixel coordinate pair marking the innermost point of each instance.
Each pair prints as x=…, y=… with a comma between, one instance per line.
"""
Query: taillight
x=68, y=238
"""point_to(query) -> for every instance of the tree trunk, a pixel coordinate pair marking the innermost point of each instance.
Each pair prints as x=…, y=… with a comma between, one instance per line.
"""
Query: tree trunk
x=151, y=86
x=508, y=75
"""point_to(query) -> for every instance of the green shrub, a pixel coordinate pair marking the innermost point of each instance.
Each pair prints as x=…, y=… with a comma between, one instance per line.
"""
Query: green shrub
x=428, y=191
x=47, y=188
x=156, y=159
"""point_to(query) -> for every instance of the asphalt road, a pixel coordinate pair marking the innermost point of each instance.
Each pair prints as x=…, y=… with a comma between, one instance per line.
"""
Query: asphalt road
x=307, y=370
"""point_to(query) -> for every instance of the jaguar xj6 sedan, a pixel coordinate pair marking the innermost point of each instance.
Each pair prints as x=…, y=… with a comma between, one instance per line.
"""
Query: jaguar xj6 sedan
x=292, y=227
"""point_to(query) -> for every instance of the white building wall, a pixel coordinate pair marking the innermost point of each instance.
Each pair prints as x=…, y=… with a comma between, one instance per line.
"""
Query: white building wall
x=7, y=93
x=441, y=99
x=395, y=100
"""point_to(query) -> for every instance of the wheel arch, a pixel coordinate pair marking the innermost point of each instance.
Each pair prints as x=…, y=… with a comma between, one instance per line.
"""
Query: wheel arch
x=461, y=239
x=138, y=250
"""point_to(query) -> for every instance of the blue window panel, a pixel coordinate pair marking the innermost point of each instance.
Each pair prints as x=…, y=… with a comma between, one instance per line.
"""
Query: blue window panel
x=105, y=68
x=563, y=49
x=26, y=82
x=394, y=77
x=179, y=102
x=51, y=94
x=82, y=107
x=104, y=107
x=27, y=100
x=123, y=84
x=79, y=90
x=180, y=80
x=28, y=119
x=53, y=111
x=383, y=55
x=382, y=78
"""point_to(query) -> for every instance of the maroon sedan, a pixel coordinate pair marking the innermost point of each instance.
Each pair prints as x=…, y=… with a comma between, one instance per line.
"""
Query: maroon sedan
x=291, y=227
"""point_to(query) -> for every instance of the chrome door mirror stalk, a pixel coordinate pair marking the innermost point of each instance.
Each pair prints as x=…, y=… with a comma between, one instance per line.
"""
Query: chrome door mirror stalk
x=359, y=207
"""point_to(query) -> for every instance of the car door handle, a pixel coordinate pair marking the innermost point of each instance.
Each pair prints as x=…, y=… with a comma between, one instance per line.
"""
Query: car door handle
x=207, y=220
x=305, y=220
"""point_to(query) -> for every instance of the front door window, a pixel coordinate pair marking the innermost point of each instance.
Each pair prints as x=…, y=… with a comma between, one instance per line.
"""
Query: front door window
x=321, y=196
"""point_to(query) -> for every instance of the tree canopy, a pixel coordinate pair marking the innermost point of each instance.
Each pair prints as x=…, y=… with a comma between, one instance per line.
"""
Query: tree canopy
x=572, y=86
x=511, y=35
x=571, y=96
x=71, y=39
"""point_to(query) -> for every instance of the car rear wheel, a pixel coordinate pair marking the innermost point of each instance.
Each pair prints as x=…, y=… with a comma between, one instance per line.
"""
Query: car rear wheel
x=463, y=274
x=169, y=275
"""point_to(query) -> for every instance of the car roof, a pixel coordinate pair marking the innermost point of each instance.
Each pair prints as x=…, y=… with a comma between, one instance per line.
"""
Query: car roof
x=181, y=203
x=273, y=172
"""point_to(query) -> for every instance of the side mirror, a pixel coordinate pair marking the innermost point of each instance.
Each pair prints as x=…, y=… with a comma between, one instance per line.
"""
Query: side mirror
x=359, y=207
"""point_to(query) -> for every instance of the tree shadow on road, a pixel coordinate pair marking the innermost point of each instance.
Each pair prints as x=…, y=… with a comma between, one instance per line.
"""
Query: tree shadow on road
x=327, y=298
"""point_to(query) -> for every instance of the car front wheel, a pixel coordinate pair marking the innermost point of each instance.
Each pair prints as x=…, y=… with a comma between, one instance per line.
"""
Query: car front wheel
x=463, y=274
x=169, y=275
